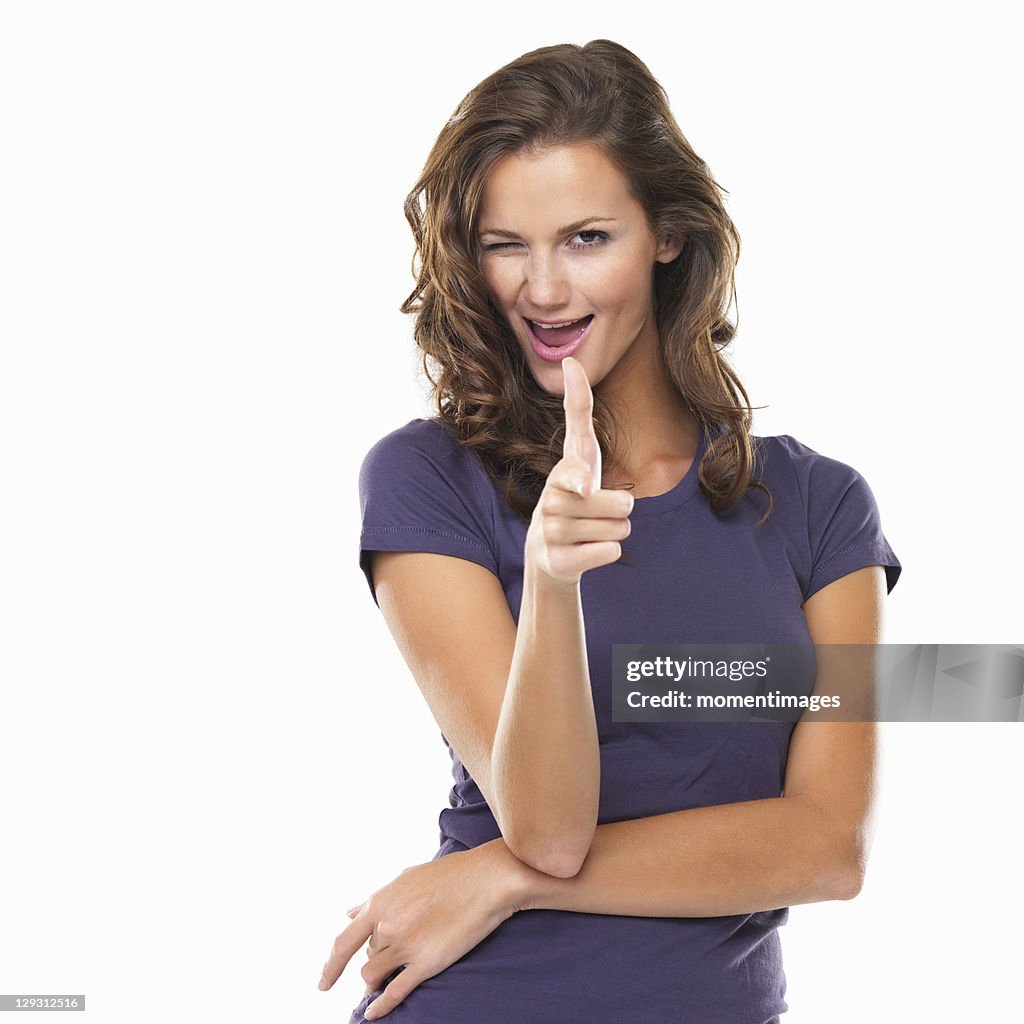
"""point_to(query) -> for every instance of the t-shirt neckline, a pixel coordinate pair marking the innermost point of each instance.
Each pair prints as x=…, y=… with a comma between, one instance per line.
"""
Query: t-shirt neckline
x=682, y=492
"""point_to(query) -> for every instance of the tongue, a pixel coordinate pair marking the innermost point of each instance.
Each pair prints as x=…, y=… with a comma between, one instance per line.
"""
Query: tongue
x=556, y=337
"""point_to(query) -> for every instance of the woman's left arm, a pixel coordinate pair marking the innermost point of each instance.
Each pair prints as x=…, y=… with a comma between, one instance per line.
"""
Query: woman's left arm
x=807, y=846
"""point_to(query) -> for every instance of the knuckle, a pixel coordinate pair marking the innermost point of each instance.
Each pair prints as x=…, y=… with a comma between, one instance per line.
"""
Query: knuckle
x=555, y=504
x=554, y=530
x=401, y=986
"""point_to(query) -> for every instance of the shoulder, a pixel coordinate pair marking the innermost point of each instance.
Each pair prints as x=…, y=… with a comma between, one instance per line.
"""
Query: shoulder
x=424, y=457
x=426, y=436
x=787, y=463
x=421, y=490
x=830, y=506
x=419, y=446
x=784, y=448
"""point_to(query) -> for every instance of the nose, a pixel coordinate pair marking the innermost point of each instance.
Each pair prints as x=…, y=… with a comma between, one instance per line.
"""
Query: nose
x=547, y=284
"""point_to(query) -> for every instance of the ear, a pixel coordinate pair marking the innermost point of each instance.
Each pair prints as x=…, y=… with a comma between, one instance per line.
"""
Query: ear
x=669, y=247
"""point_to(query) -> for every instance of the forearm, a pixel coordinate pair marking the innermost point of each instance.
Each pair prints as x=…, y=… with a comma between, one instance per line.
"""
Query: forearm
x=705, y=862
x=545, y=761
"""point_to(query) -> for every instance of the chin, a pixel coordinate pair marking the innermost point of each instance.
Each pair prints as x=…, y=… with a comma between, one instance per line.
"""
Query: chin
x=550, y=381
x=549, y=375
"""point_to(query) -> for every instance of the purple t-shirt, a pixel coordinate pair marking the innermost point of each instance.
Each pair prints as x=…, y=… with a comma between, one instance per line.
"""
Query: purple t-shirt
x=695, y=577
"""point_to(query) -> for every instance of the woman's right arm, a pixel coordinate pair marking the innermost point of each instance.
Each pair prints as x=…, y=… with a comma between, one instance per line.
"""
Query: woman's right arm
x=515, y=704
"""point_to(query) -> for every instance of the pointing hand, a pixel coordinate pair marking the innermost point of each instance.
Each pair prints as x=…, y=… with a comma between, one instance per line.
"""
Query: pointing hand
x=576, y=525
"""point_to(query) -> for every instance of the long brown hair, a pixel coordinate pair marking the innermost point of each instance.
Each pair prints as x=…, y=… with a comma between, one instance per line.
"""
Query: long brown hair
x=484, y=392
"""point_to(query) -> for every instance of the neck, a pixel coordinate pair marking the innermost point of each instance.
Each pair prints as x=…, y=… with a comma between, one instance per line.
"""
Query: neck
x=657, y=434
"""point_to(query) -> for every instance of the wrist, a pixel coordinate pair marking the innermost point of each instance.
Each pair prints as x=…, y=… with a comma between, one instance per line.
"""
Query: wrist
x=536, y=581
x=516, y=882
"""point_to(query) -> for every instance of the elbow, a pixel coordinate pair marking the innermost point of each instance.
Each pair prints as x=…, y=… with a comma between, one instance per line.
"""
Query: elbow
x=560, y=860
x=848, y=874
x=558, y=865
x=837, y=855
x=556, y=850
x=851, y=882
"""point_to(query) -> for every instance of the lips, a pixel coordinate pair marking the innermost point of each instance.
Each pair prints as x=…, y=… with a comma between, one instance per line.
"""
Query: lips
x=556, y=337
x=556, y=343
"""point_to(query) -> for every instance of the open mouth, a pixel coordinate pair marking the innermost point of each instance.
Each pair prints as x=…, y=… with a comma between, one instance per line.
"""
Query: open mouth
x=556, y=341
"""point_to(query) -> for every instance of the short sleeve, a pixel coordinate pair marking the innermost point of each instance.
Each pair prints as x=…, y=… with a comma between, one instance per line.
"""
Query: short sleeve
x=419, y=490
x=844, y=525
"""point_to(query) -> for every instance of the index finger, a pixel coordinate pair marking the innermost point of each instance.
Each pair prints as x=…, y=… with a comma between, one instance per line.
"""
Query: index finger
x=580, y=438
x=344, y=948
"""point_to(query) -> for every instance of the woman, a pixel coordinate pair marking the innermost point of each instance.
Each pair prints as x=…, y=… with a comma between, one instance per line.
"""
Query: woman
x=589, y=480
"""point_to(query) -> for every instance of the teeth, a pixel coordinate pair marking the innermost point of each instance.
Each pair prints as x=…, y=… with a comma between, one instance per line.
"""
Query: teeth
x=548, y=327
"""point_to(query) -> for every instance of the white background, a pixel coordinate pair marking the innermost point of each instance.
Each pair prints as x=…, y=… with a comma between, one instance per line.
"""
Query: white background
x=210, y=746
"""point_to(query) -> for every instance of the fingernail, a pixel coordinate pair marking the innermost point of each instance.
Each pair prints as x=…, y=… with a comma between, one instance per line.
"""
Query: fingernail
x=370, y=1013
x=322, y=984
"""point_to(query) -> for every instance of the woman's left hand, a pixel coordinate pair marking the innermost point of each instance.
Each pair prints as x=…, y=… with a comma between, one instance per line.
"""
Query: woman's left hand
x=427, y=918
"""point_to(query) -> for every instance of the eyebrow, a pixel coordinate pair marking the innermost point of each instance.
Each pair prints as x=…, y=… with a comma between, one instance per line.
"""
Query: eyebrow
x=568, y=229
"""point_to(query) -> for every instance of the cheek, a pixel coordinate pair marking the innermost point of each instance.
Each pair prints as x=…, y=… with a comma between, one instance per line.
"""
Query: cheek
x=623, y=283
x=500, y=282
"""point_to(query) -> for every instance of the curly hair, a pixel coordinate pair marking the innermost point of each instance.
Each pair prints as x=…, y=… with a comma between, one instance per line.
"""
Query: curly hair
x=482, y=387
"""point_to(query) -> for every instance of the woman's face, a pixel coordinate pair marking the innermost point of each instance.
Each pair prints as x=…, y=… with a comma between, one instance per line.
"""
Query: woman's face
x=562, y=239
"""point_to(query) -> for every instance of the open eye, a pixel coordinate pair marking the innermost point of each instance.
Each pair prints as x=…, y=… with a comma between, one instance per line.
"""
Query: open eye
x=597, y=238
